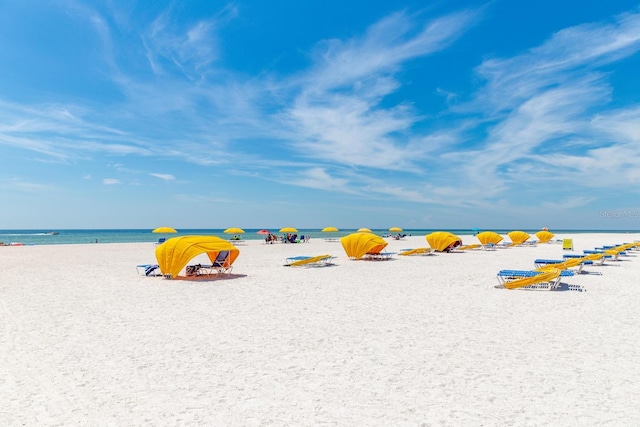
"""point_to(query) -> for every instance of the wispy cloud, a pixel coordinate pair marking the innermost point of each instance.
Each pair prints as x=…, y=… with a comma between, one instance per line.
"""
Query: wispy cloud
x=163, y=176
x=336, y=126
x=338, y=112
x=539, y=113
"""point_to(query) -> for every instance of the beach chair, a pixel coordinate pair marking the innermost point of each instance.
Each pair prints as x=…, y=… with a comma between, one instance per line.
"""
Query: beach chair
x=161, y=241
x=567, y=244
x=611, y=255
x=562, y=264
x=308, y=261
x=534, y=280
x=220, y=265
x=469, y=247
x=378, y=256
x=417, y=251
x=148, y=270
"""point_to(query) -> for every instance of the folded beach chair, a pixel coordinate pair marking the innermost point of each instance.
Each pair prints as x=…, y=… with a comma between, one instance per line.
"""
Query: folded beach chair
x=529, y=279
x=612, y=255
x=562, y=264
x=417, y=251
x=308, y=261
x=534, y=280
x=567, y=244
x=378, y=256
x=148, y=270
x=468, y=247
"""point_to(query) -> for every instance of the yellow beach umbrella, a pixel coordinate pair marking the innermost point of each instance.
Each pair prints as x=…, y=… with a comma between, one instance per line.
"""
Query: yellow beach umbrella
x=395, y=230
x=364, y=230
x=288, y=230
x=329, y=230
x=164, y=230
x=234, y=230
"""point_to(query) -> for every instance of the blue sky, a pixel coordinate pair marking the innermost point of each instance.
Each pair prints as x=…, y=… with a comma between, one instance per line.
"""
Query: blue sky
x=192, y=114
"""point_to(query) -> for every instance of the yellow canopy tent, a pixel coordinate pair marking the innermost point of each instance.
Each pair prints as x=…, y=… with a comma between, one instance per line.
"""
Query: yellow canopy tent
x=356, y=245
x=288, y=230
x=329, y=230
x=364, y=230
x=395, y=230
x=233, y=230
x=441, y=240
x=176, y=252
x=164, y=230
x=489, y=238
x=518, y=237
x=544, y=236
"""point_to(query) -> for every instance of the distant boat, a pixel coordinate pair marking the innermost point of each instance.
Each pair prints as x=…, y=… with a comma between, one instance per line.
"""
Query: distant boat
x=52, y=233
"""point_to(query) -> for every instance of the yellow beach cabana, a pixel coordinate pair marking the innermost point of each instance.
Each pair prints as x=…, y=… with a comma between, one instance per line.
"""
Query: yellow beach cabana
x=488, y=238
x=443, y=240
x=544, y=236
x=518, y=237
x=176, y=252
x=357, y=245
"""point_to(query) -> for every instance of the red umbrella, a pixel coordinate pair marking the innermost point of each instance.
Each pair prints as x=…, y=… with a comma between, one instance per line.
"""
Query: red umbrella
x=263, y=232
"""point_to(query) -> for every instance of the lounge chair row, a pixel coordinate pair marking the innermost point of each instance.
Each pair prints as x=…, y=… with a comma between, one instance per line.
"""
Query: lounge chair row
x=548, y=272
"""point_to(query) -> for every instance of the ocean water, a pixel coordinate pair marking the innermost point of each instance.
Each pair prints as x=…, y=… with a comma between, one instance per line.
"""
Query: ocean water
x=41, y=237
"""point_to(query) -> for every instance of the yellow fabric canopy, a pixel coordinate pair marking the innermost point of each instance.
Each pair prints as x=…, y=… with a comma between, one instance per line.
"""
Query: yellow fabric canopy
x=489, y=237
x=234, y=230
x=544, y=236
x=288, y=230
x=329, y=230
x=174, y=254
x=164, y=230
x=395, y=230
x=441, y=240
x=364, y=230
x=356, y=245
x=518, y=237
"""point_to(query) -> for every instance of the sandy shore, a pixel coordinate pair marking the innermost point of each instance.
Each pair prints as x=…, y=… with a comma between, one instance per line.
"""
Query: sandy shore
x=412, y=341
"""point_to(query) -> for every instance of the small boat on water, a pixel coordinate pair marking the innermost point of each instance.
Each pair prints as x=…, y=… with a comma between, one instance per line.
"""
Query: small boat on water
x=51, y=233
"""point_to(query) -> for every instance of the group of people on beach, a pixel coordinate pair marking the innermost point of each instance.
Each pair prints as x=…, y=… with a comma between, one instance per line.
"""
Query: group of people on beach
x=271, y=238
x=287, y=238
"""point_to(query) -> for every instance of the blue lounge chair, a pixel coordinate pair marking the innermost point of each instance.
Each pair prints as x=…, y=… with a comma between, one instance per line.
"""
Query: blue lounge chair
x=309, y=261
x=148, y=270
x=378, y=256
x=220, y=265
x=534, y=280
x=541, y=263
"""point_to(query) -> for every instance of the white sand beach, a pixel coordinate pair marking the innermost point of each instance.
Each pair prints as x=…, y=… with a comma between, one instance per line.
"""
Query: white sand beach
x=424, y=340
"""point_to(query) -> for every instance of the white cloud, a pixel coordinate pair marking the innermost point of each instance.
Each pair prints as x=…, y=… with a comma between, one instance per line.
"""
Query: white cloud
x=163, y=176
x=338, y=113
x=110, y=181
